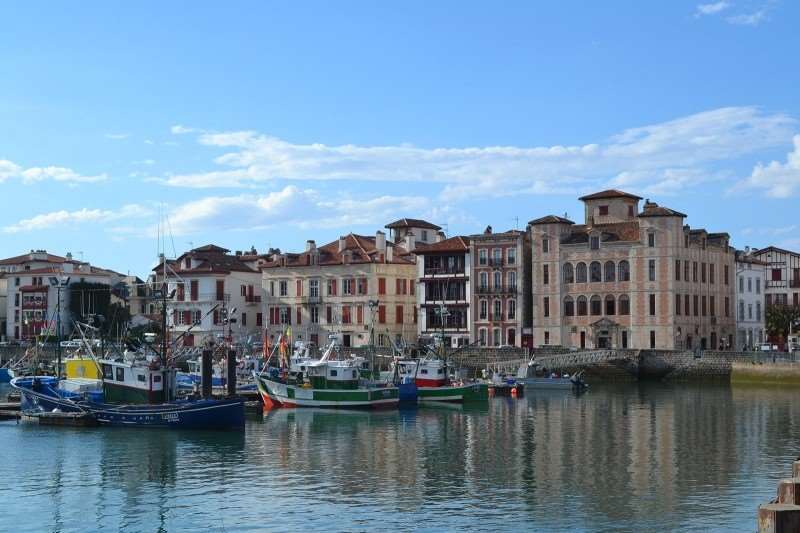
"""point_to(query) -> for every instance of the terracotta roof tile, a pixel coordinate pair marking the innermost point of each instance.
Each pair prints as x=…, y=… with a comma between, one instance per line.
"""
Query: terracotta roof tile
x=551, y=219
x=610, y=193
x=412, y=223
x=453, y=244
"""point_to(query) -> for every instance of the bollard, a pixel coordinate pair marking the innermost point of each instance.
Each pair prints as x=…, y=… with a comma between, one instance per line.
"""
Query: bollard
x=778, y=518
x=231, y=372
x=789, y=491
x=205, y=373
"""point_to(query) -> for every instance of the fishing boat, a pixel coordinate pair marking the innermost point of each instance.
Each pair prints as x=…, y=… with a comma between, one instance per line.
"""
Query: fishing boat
x=533, y=376
x=7, y=374
x=433, y=382
x=46, y=394
x=323, y=382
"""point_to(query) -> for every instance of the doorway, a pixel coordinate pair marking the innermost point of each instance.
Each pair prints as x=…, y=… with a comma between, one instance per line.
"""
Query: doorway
x=583, y=339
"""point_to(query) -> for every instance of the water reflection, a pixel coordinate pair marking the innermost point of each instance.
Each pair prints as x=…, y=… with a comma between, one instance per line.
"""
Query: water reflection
x=627, y=457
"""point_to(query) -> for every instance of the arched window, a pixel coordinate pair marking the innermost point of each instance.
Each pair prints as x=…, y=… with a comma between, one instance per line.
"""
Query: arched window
x=595, y=275
x=567, y=273
x=580, y=273
x=624, y=271
x=624, y=305
x=498, y=280
x=497, y=311
x=611, y=306
x=595, y=305
x=484, y=281
x=569, y=306
x=609, y=271
x=582, y=306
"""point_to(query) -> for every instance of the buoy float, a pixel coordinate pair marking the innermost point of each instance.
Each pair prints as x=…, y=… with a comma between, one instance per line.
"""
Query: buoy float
x=514, y=392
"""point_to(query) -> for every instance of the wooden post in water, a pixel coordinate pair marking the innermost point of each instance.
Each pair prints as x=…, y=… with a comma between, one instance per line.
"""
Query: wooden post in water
x=783, y=515
x=231, y=378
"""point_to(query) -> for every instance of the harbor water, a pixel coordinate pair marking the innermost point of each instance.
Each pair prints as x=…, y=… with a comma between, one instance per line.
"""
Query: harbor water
x=638, y=457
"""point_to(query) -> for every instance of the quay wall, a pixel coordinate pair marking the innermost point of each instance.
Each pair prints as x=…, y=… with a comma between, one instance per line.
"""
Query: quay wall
x=779, y=373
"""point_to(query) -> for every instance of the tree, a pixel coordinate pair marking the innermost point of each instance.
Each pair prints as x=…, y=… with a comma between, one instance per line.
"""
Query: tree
x=781, y=318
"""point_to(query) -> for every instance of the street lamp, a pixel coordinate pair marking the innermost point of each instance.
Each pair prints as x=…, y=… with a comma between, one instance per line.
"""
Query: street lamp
x=58, y=283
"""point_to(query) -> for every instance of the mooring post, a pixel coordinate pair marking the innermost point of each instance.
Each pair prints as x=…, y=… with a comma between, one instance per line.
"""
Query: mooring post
x=231, y=381
x=206, y=373
x=789, y=491
x=796, y=469
x=778, y=518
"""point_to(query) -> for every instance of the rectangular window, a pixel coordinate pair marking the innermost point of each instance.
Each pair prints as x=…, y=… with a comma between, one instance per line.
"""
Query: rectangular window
x=398, y=313
x=329, y=314
x=727, y=307
x=725, y=274
x=313, y=288
x=314, y=312
x=776, y=274
x=603, y=210
x=511, y=255
x=651, y=269
x=360, y=314
x=678, y=304
x=299, y=287
x=484, y=310
x=686, y=309
x=244, y=319
x=545, y=274
x=545, y=245
x=651, y=240
x=242, y=290
x=299, y=315
x=712, y=306
x=193, y=285
x=758, y=286
x=594, y=243
x=711, y=273
x=220, y=292
x=703, y=305
x=332, y=286
x=546, y=306
x=686, y=271
x=411, y=287
x=362, y=285
x=741, y=284
x=696, y=305
x=652, y=339
x=652, y=305
x=694, y=271
x=345, y=314
x=483, y=257
x=703, y=272
x=547, y=337
x=512, y=309
x=348, y=286
x=283, y=288
x=381, y=286
x=381, y=314
x=677, y=270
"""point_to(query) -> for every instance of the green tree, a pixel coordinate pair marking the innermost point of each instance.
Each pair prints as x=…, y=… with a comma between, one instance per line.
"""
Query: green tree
x=780, y=318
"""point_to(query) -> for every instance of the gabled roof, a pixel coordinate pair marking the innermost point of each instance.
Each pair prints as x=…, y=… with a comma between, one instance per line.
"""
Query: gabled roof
x=550, y=219
x=361, y=249
x=652, y=209
x=25, y=258
x=453, y=244
x=768, y=249
x=211, y=248
x=412, y=223
x=609, y=193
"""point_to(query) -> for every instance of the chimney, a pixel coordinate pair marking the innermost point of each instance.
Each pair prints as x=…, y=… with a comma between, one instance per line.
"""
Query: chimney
x=440, y=236
x=380, y=241
x=310, y=246
x=389, y=254
x=410, y=243
x=488, y=230
x=69, y=256
x=342, y=243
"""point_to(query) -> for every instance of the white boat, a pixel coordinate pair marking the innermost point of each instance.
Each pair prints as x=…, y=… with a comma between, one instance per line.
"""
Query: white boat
x=532, y=376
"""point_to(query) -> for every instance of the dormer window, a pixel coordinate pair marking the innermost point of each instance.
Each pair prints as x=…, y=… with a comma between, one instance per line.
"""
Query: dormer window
x=603, y=210
x=594, y=242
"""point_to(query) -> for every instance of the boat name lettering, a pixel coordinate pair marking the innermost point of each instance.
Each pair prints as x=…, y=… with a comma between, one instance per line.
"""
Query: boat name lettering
x=172, y=417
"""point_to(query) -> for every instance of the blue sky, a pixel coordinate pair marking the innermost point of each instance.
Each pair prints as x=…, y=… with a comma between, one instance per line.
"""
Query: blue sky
x=269, y=123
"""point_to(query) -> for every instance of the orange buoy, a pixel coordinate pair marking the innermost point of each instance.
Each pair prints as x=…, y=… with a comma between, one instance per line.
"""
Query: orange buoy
x=514, y=392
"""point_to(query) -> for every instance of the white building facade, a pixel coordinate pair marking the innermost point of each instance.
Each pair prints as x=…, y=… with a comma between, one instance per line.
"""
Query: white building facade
x=750, y=313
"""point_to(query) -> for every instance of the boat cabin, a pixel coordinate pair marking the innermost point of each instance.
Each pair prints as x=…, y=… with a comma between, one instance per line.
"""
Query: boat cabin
x=136, y=381
x=333, y=374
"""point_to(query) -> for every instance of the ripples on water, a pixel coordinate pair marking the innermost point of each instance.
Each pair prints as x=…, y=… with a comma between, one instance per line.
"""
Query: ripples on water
x=624, y=458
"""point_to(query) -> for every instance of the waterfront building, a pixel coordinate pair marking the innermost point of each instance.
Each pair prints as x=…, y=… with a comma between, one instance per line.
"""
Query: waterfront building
x=750, y=313
x=630, y=279
x=444, y=291
x=346, y=286
x=215, y=293
x=31, y=281
x=502, y=291
x=783, y=275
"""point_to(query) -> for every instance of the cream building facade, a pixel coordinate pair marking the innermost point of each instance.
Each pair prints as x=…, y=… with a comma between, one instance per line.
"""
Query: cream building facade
x=630, y=279
x=750, y=312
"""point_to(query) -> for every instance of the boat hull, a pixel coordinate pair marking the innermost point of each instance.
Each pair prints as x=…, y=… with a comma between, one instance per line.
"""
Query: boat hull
x=43, y=397
x=201, y=414
x=547, y=383
x=277, y=394
x=6, y=375
x=454, y=393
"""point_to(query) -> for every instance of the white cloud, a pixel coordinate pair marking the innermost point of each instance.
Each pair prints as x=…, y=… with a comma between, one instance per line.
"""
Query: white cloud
x=711, y=9
x=149, y=141
x=178, y=129
x=35, y=174
x=771, y=232
x=776, y=179
x=290, y=206
x=749, y=19
x=10, y=170
x=117, y=136
x=64, y=217
x=667, y=155
x=145, y=162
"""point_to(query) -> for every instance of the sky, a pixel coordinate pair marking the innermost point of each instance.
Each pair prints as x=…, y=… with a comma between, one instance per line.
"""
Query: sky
x=128, y=128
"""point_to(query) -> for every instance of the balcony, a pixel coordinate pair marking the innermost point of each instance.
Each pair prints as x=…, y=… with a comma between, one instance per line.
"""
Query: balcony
x=495, y=262
x=503, y=289
x=776, y=284
x=311, y=299
x=253, y=299
x=444, y=272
